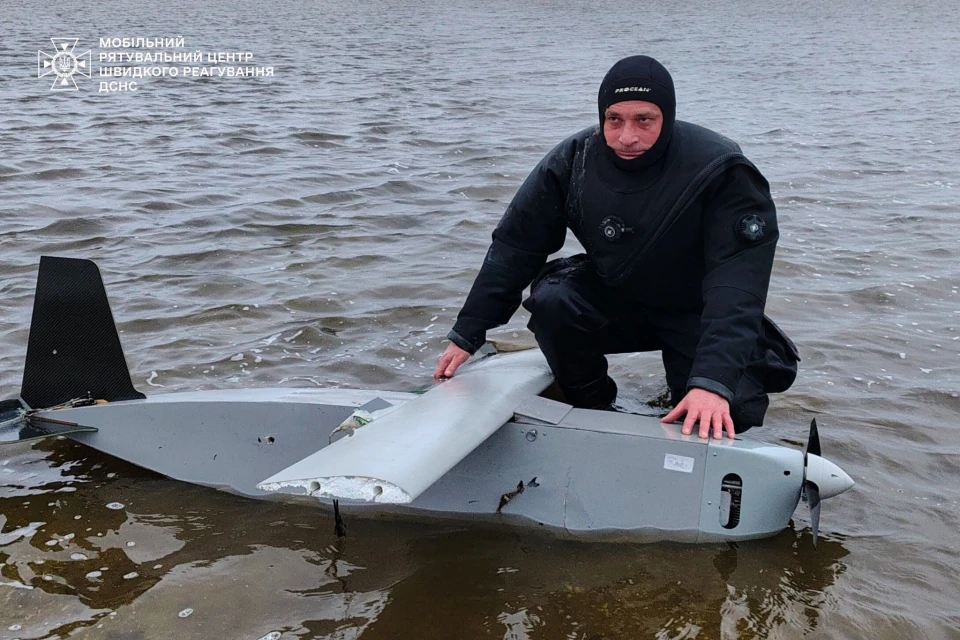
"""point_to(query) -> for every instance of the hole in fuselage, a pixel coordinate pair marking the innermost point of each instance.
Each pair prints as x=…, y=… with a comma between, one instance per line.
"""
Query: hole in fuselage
x=377, y=491
x=314, y=486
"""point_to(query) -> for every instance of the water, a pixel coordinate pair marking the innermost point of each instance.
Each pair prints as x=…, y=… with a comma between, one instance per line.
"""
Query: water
x=327, y=223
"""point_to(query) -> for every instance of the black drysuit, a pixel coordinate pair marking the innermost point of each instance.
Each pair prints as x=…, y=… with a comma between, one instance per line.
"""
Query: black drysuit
x=678, y=259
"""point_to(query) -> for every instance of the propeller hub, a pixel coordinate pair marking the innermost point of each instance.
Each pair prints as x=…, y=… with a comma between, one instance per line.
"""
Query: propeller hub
x=830, y=479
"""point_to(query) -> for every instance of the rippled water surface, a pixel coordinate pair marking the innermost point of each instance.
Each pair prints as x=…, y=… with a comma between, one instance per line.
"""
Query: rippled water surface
x=327, y=223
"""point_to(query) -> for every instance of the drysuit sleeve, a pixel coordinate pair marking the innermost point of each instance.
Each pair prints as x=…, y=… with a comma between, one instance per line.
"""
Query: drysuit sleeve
x=533, y=227
x=740, y=237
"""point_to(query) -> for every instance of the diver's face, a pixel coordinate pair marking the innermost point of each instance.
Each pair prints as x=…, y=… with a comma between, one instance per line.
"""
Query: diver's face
x=632, y=127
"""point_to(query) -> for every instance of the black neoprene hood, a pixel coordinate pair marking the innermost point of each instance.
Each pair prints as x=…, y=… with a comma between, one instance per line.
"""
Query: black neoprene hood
x=640, y=78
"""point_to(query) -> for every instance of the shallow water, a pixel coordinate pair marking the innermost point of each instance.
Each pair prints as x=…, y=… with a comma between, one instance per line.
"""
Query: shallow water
x=327, y=222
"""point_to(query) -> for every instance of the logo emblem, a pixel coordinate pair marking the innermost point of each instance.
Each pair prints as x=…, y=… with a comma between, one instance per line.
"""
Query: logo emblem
x=63, y=64
x=613, y=228
x=751, y=227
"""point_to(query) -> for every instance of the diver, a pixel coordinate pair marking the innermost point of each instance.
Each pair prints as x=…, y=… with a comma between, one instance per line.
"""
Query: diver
x=679, y=230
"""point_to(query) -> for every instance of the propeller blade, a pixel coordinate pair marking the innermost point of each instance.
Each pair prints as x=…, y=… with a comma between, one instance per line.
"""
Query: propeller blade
x=813, y=501
x=811, y=493
x=813, y=442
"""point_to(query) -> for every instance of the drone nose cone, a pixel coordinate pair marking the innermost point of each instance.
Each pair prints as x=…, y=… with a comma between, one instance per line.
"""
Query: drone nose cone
x=830, y=479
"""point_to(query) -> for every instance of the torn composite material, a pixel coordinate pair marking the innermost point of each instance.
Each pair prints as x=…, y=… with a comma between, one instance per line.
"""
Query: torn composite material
x=395, y=458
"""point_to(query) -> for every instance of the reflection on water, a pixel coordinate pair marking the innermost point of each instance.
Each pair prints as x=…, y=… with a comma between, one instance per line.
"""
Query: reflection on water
x=181, y=561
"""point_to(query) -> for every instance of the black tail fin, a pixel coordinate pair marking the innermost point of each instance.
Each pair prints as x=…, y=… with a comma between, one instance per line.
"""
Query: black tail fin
x=74, y=349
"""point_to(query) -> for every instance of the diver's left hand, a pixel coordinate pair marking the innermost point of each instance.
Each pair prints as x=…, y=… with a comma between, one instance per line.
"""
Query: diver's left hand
x=712, y=411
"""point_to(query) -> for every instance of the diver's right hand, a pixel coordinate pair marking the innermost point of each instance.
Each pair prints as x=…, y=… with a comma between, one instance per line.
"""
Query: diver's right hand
x=450, y=361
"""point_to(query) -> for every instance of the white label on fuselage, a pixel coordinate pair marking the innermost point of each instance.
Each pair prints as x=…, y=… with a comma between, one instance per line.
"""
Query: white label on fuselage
x=678, y=463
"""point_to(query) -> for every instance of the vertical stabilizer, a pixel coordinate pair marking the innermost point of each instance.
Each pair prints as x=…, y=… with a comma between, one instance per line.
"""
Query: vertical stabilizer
x=74, y=349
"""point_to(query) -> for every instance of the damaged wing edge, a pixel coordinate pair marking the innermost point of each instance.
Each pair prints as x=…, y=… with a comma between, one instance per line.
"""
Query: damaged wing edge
x=345, y=488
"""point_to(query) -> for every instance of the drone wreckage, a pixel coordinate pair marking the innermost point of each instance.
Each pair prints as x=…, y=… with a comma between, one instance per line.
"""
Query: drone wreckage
x=449, y=452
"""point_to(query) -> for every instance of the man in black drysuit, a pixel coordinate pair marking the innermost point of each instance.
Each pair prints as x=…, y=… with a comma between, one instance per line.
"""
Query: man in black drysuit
x=679, y=230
